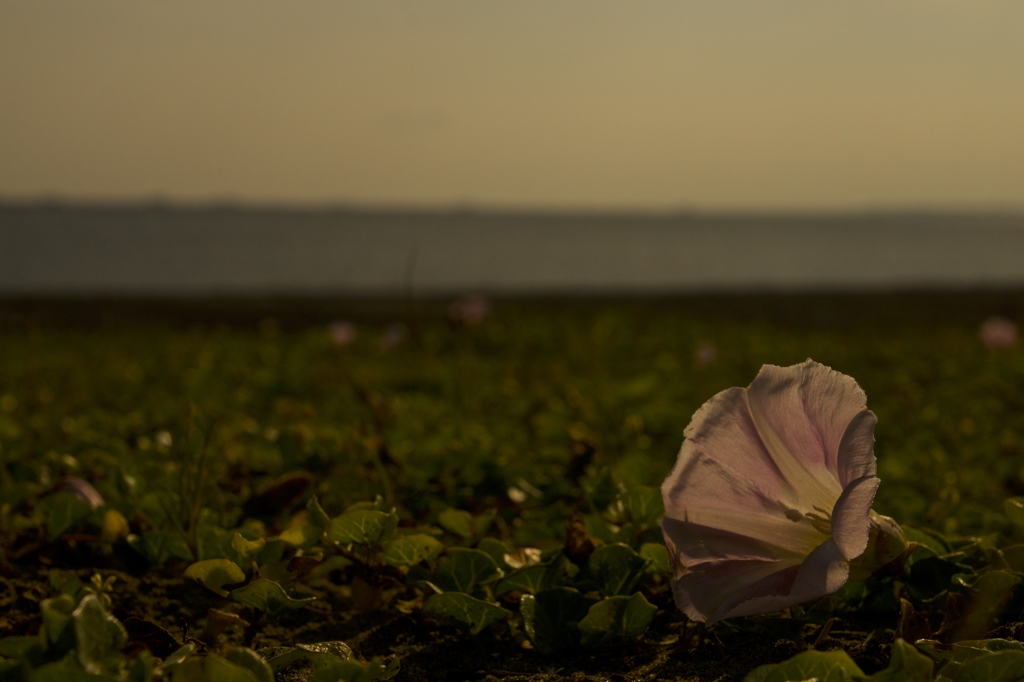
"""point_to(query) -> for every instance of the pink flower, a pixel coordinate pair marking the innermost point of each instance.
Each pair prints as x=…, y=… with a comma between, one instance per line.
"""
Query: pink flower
x=705, y=355
x=470, y=310
x=770, y=499
x=342, y=333
x=393, y=337
x=998, y=333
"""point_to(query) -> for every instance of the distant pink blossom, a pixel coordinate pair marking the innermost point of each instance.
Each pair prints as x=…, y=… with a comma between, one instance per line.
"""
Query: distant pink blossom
x=470, y=310
x=705, y=355
x=342, y=333
x=393, y=337
x=998, y=333
x=770, y=499
x=81, y=489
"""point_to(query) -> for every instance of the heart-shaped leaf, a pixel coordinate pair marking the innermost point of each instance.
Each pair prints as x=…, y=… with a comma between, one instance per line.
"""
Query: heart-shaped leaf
x=61, y=511
x=362, y=527
x=456, y=521
x=998, y=666
x=550, y=617
x=266, y=595
x=98, y=636
x=906, y=665
x=643, y=504
x=616, y=617
x=409, y=550
x=160, y=545
x=530, y=579
x=616, y=569
x=824, y=666
x=320, y=654
x=463, y=569
x=469, y=612
x=247, y=658
x=656, y=556
x=214, y=574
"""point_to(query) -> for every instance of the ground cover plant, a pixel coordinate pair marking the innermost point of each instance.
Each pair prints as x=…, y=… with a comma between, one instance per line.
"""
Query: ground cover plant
x=358, y=490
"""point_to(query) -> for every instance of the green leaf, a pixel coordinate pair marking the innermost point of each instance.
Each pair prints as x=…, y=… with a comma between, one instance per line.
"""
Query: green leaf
x=67, y=669
x=550, y=617
x=1014, y=557
x=823, y=666
x=247, y=549
x=160, y=545
x=65, y=583
x=1014, y=508
x=616, y=617
x=141, y=667
x=928, y=539
x=483, y=521
x=643, y=504
x=57, y=614
x=362, y=527
x=906, y=665
x=317, y=516
x=496, y=548
x=602, y=490
x=177, y=657
x=557, y=566
x=214, y=542
x=21, y=646
x=656, y=556
x=469, y=612
x=98, y=636
x=320, y=654
x=211, y=668
x=990, y=591
x=246, y=658
x=61, y=511
x=266, y=595
x=953, y=657
x=214, y=574
x=457, y=521
x=463, y=569
x=616, y=569
x=409, y=550
x=999, y=666
x=530, y=579
x=304, y=536
x=354, y=671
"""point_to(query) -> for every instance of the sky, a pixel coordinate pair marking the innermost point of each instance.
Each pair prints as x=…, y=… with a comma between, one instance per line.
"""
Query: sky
x=704, y=104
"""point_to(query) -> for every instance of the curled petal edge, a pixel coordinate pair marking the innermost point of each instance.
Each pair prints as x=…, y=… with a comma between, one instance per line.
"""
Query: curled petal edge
x=851, y=516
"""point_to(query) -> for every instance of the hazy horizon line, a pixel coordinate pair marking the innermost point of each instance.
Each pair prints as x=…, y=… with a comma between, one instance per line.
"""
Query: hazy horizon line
x=475, y=208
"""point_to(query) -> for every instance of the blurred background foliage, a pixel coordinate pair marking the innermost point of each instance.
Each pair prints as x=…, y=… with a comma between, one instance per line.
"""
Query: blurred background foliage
x=526, y=411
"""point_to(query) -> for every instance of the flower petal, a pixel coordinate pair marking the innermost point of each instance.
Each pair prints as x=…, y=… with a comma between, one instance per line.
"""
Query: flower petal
x=856, y=457
x=710, y=593
x=693, y=544
x=724, y=431
x=772, y=530
x=822, y=573
x=801, y=413
x=851, y=517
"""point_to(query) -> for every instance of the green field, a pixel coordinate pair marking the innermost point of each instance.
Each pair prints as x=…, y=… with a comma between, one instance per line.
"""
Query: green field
x=482, y=460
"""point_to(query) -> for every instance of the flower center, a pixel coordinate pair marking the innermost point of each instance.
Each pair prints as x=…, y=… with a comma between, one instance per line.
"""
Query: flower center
x=820, y=519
